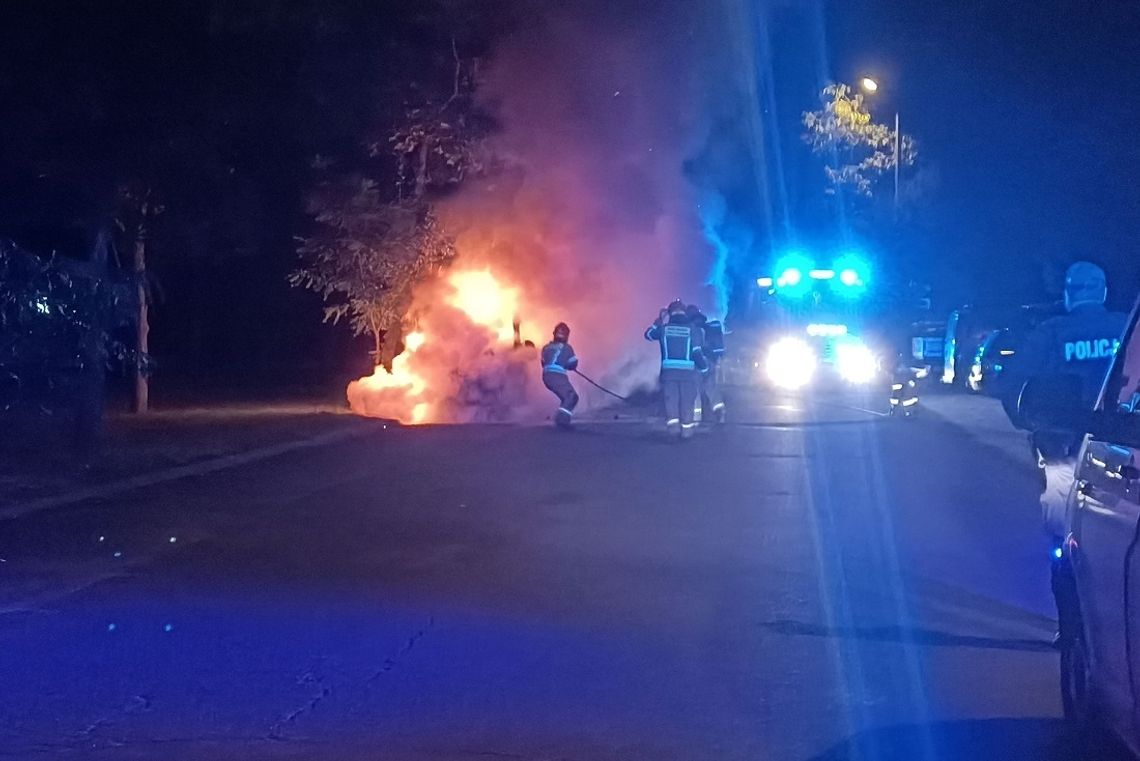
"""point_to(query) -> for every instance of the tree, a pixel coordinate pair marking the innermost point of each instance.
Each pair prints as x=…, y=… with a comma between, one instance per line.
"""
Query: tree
x=138, y=209
x=438, y=144
x=375, y=242
x=57, y=320
x=857, y=150
x=368, y=256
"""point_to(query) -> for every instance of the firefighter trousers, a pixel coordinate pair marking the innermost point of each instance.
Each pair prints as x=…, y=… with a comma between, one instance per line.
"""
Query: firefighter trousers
x=711, y=399
x=681, y=388
x=559, y=385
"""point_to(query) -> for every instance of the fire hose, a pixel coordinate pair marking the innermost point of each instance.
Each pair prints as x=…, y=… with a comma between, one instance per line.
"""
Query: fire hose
x=600, y=387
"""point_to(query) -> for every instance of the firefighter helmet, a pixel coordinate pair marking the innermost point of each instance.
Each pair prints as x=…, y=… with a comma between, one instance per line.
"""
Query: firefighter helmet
x=561, y=332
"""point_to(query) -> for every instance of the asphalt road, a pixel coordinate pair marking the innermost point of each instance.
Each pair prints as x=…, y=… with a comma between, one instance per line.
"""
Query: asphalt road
x=812, y=581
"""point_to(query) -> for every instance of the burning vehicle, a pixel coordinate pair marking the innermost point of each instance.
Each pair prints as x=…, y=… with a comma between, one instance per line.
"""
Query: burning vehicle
x=464, y=360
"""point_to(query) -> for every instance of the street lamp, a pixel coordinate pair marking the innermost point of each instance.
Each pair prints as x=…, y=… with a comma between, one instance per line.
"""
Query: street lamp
x=870, y=86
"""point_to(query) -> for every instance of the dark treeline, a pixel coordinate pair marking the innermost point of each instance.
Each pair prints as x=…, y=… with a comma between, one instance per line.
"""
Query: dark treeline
x=196, y=130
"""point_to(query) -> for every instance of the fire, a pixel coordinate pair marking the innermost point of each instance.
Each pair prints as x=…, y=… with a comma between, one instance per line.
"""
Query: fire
x=466, y=327
x=413, y=341
x=482, y=298
x=384, y=392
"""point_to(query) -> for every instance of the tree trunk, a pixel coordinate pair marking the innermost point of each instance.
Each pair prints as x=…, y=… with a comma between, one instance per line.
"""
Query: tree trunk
x=142, y=345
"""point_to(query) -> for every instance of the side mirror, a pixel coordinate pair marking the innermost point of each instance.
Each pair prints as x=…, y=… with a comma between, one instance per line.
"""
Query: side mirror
x=1052, y=402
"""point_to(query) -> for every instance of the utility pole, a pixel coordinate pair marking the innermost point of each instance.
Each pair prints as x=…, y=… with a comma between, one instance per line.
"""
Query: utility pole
x=898, y=156
x=870, y=86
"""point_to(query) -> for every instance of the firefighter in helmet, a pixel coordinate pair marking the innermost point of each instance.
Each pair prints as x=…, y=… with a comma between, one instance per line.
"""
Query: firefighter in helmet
x=681, y=362
x=558, y=360
x=710, y=400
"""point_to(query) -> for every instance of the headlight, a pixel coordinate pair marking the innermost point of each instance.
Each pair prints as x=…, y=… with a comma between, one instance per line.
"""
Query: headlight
x=855, y=362
x=791, y=363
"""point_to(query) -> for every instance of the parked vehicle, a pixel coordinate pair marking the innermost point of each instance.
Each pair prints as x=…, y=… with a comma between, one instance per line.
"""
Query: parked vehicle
x=968, y=326
x=989, y=360
x=1097, y=586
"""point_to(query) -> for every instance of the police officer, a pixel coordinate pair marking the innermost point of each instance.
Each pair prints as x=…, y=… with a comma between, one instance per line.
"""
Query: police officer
x=681, y=362
x=558, y=360
x=1080, y=343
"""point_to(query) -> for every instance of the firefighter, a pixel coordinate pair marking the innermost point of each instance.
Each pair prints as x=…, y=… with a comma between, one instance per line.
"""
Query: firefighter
x=558, y=360
x=904, y=389
x=711, y=398
x=681, y=362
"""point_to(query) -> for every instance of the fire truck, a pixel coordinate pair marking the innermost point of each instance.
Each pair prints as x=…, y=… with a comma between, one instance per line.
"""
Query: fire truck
x=825, y=324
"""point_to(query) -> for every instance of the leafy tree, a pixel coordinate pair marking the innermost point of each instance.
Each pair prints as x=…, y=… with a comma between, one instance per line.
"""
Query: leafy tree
x=368, y=256
x=376, y=241
x=436, y=143
x=58, y=318
x=857, y=150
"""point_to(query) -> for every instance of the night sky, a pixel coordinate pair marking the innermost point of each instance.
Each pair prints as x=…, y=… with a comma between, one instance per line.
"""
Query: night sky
x=1027, y=111
x=1024, y=112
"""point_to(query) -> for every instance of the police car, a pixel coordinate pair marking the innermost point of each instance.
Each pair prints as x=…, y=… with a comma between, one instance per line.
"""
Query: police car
x=1097, y=581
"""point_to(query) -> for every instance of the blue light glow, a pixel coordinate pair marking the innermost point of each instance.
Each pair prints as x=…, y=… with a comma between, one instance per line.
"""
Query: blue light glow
x=790, y=274
x=1058, y=552
x=854, y=274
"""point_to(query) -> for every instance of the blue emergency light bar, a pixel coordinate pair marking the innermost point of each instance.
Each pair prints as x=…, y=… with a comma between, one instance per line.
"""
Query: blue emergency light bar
x=792, y=274
x=795, y=273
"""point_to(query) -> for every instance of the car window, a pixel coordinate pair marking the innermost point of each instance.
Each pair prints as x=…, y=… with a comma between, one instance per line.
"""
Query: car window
x=1123, y=390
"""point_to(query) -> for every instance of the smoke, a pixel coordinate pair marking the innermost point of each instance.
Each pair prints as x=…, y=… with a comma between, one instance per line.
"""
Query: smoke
x=594, y=219
x=600, y=105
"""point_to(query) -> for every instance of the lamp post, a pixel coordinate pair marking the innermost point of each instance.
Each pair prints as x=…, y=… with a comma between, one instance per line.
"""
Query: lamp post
x=870, y=86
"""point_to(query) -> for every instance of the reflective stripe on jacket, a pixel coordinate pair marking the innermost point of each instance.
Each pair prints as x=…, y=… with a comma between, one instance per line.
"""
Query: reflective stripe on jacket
x=558, y=357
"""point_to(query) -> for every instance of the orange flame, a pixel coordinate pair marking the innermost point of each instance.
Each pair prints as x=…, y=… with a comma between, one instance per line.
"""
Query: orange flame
x=482, y=298
x=419, y=380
